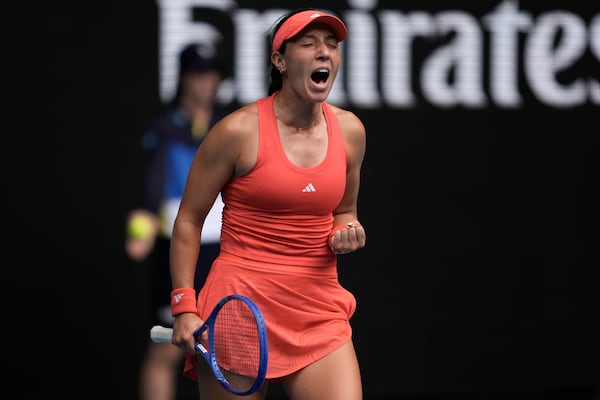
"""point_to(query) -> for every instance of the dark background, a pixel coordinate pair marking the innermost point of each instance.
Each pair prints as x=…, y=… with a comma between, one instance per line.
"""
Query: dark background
x=479, y=277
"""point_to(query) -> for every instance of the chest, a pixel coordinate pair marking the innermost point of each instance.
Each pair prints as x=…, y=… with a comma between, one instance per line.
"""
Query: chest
x=295, y=175
x=304, y=148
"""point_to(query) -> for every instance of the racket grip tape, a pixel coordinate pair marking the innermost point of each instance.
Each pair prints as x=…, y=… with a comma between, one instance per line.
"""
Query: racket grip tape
x=161, y=334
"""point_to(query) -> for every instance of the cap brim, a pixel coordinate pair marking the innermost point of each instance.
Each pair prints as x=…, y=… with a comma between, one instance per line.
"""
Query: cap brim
x=297, y=22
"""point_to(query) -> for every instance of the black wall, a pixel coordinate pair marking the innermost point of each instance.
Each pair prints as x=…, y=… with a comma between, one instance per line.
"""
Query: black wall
x=479, y=276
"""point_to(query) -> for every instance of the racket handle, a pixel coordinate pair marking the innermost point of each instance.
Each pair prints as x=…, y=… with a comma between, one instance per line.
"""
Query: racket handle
x=160, y=334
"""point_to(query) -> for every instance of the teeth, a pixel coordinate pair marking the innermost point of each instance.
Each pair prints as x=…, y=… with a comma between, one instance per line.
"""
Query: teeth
x=320, y=75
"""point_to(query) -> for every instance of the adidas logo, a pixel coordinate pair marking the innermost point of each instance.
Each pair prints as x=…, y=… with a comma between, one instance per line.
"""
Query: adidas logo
x=178, y=297
x=309, y=188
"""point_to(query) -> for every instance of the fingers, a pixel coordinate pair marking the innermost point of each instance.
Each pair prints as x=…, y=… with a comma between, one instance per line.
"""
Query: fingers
x=348, y=239
x=184, y=330
x=353, y=233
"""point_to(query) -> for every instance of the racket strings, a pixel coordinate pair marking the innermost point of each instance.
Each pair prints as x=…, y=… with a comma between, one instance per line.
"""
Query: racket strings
x=237, y=344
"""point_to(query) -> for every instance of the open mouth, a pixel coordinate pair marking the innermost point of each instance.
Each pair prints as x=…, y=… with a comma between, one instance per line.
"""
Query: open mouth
x=320, y=75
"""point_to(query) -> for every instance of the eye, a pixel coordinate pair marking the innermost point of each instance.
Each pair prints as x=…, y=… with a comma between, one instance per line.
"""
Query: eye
x=306, y=42
x=332, y=44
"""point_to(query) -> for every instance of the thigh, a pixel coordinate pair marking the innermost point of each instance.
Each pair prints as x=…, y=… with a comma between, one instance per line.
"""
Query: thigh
x=209, y=388
x=334, y=377
x=165, y=353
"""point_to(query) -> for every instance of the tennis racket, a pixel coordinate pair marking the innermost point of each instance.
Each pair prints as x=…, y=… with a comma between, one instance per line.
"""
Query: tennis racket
x=237, y=344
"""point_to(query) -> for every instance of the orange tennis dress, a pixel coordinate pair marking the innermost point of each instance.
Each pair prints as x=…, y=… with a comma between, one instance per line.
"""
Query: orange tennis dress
x=274, y=249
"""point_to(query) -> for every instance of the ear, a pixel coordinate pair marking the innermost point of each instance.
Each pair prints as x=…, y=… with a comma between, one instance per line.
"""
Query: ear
x=278, y=62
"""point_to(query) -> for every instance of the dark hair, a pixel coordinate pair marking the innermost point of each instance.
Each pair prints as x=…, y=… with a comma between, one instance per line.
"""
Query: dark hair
x=276, y=78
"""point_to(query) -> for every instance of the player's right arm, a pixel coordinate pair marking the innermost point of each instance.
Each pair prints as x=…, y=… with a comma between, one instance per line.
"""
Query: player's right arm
x=228, y=150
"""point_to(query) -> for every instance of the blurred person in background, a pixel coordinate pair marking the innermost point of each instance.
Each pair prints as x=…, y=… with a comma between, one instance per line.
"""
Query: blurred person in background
x=169, y=145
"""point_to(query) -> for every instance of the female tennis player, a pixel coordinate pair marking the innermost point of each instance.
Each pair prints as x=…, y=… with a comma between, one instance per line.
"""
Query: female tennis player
x=288, y=168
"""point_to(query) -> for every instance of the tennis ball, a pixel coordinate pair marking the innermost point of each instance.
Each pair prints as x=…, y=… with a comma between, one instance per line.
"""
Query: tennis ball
x=140, y=227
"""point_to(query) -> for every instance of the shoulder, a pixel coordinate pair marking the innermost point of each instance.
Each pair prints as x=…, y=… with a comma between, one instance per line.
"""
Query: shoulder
x=239, y=122
x=244, y=114
x=233, y=140
x=350, y=123
x=234, y=131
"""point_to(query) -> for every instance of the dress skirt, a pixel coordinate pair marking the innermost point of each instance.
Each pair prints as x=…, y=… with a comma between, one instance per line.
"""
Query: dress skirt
x=306, y=310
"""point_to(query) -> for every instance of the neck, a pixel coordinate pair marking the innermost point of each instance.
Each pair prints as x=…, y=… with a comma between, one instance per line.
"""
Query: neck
x=297, y=118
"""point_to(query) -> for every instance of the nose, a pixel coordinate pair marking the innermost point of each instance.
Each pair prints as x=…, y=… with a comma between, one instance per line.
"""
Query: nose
x=323, y=51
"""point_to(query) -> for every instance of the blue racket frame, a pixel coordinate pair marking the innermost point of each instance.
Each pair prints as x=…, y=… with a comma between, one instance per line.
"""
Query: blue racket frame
x=209, y=356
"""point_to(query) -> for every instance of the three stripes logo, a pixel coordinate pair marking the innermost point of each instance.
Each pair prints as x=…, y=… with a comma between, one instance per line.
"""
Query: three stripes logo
x=309, y=188
x=177, y=298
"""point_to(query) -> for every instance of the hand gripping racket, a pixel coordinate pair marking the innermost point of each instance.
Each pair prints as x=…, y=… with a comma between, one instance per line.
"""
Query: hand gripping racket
x=237, y=344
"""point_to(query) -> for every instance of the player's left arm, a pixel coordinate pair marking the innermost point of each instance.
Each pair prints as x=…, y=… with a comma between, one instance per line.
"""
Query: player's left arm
x=348, y=234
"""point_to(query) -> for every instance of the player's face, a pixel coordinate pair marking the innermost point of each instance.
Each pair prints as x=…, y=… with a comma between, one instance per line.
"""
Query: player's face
x=312, y=60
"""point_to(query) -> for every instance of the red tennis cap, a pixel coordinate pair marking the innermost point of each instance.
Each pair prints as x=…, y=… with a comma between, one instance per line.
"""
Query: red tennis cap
x=294, y=24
